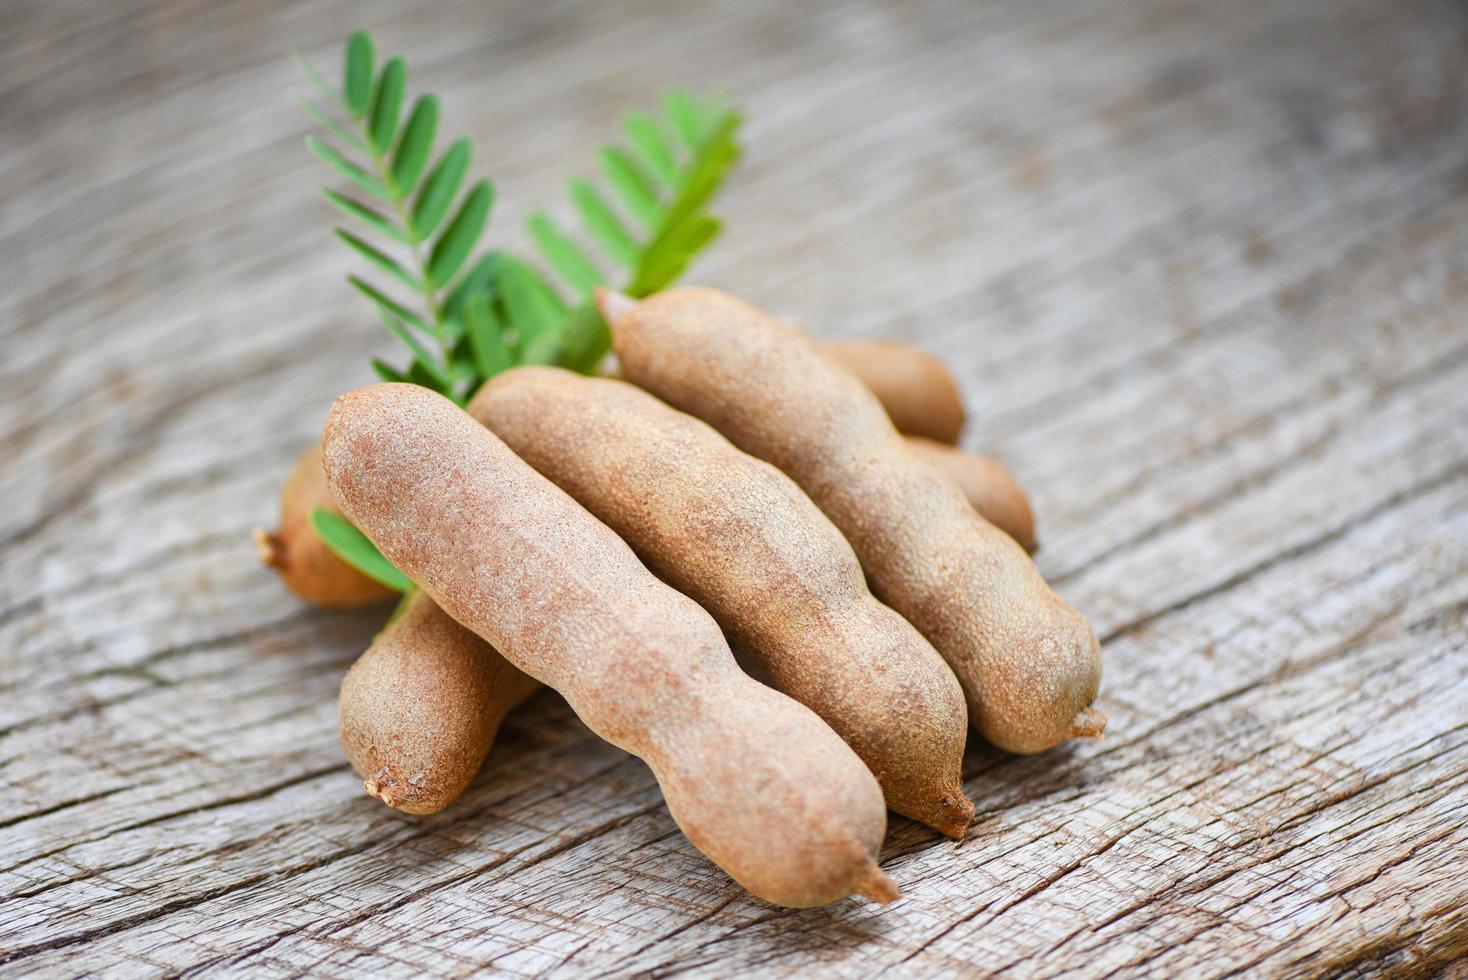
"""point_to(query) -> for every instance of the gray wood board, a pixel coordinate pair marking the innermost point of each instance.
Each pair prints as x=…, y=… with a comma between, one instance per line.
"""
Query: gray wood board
x=1200, y=268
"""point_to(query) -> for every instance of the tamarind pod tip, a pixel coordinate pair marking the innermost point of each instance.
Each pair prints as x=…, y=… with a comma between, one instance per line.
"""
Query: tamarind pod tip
x=1088, y=723
x=270, y=547
x=409, y=803
x=877, y=887
x=958, y=813
x=380, y=791
x=613, y=305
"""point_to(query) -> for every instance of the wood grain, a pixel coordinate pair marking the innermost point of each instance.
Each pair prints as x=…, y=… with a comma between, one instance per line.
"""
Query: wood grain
x=1201, y=270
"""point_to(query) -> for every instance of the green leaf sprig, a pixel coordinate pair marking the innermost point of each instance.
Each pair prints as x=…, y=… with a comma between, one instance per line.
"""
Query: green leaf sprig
x=342, y=537
x=466, y=321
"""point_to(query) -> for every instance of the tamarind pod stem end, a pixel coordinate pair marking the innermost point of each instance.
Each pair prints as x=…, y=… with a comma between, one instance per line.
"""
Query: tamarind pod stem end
x=1088, y=723
x=877, y=887
x=613, y=305
x=270, y=547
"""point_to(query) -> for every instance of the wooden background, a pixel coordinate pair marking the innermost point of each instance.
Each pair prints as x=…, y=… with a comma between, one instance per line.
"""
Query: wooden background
x=1202, y=270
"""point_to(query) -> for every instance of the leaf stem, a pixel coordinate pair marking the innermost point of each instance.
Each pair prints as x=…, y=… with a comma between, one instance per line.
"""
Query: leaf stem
x=415, y=243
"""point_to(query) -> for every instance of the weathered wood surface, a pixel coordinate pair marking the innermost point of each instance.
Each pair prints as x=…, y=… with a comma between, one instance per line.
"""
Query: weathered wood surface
x=1202, y=269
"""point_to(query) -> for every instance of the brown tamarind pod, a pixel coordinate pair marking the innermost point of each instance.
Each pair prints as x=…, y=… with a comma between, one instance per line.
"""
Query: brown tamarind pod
x=755, y=780
x=305, y=564
x=1029, y=663
x=920, y=396
x=737, y=536
x=420, y=709
x=917, y=390
x=990, y=488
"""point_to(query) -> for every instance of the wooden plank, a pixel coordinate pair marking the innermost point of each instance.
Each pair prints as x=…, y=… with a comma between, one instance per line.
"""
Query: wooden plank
x=1200, y=269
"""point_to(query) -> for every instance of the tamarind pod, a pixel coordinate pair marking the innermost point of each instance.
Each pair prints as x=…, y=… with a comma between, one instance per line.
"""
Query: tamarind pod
x=420, y=709
x=305, y=564
x=740, y=538
x=755, y=780
x=917, y=390
x=907, y=394
x=990, y=488
x=1029, y=663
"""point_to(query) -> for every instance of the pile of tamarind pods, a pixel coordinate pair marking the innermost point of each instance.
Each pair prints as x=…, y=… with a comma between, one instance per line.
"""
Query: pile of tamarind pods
x=612, y=538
